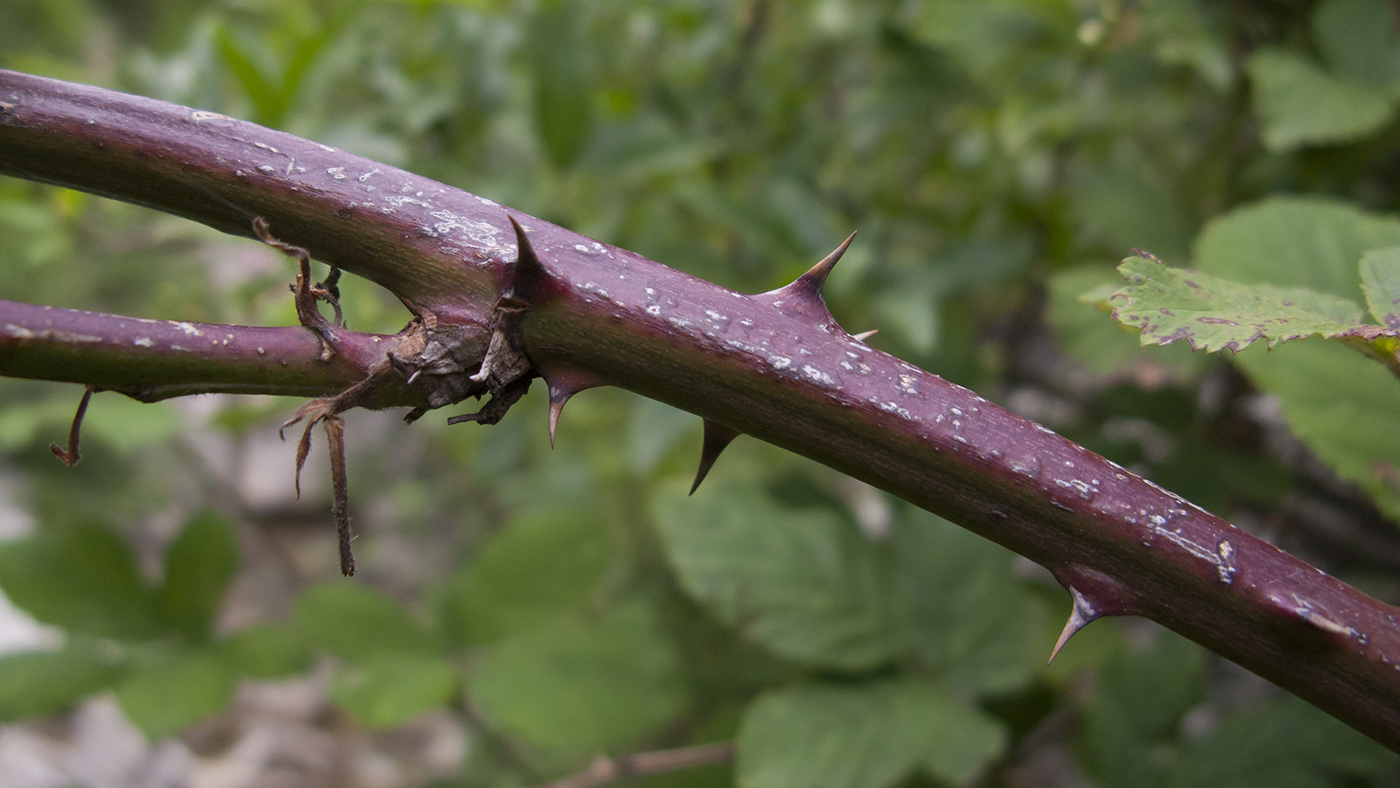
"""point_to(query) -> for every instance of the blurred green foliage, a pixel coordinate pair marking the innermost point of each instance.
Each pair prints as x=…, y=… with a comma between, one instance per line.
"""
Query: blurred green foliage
x=999, y=158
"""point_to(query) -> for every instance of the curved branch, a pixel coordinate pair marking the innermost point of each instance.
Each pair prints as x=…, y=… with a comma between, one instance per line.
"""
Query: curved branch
x=774, y=365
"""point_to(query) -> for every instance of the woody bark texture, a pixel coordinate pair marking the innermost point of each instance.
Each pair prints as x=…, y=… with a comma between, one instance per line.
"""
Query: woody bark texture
x=775, y=366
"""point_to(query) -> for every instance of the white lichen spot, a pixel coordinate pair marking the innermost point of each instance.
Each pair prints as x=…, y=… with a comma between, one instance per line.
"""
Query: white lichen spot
x=200, y=116
x=846, y=365
x=189, y=329
x=817, y=375
x=960, y=439
x=262, y=352
x=956, y=411
x=365, y=178
x=779, y=362
x=653, y=310
x=715, y=316
x=907, y=385
x=266, y=169
x=1226, y=568
x=485, y=201
x=144, y=342
x=581, y=248
x=678, y=321
x=336, y=172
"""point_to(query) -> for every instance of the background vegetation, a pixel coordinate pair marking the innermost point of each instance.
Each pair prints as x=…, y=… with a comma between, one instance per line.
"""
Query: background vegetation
x=999, y=159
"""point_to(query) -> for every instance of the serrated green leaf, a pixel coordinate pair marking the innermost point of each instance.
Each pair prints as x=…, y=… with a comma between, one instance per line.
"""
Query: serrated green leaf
x=1354, y=428
x=1173, y=304
x=580, y=689
x=199, y=565
x=39, y=683
x=386, y=690
x=1380, y=281
x=1284, y=744
x=80, y=577
x=966, y=614
x=534, y=571
x=864, y=736
x=802, y=583
x=355, y=622
x=1300, y=104
x=170, y=694
x=267, y=651
x=1078, y=310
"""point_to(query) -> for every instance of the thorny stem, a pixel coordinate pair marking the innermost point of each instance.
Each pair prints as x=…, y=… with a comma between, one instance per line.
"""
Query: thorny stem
x=774, y=366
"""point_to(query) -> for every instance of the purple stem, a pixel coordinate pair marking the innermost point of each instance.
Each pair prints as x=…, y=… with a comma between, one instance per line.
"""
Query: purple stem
x=773, y=365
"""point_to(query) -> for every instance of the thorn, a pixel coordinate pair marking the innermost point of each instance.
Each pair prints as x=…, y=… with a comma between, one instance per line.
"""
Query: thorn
x=802, y=298
x=556, y=407
x=816, y=275
x=563, y=383
x=70, y=456
x=1079, y=617
x=527, y=263
x=414, y=376
x=864, y=335
x=717, y=439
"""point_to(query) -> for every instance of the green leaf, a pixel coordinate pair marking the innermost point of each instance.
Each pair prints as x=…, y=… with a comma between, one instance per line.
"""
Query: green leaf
x=1209, y=313
x=1380, y=281
x=803, y=583
x=1284, y=744
x=1343, y=406
x=1137, y=705
x=354, y=622
x=581, y=689
x=267, y=651
x=534, y=571
x=386, y=690
x=1079, y=303
x=967, y=615
x=199, y=565
x=1294, y=242
x=1354, y=428
x=1358, y=39
x=80, y=577
x=170, y=694
x=1300, y=104
x=563, y=86
x=864, y=736
x=39, y=683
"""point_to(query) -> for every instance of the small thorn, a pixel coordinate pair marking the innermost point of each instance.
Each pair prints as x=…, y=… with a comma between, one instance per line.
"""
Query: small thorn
x=1079, y=617
x=563, y=383
x=556, y=407
x=864, y=335
x=414, y=376
x=717, y=439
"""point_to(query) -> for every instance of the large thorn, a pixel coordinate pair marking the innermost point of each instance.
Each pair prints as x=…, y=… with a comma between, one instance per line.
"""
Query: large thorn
x=717, y=438
x=1079, y=617
x=815, y=278
x=803, y=297
x=563, y=384
x=861, y=337
x=527, y=264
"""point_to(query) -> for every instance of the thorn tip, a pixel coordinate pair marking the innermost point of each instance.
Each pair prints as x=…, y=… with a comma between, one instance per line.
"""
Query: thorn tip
x=1080, y=616
x=717, y=438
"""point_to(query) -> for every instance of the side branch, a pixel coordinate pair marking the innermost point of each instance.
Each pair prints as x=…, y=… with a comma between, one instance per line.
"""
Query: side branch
x=152, y=360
